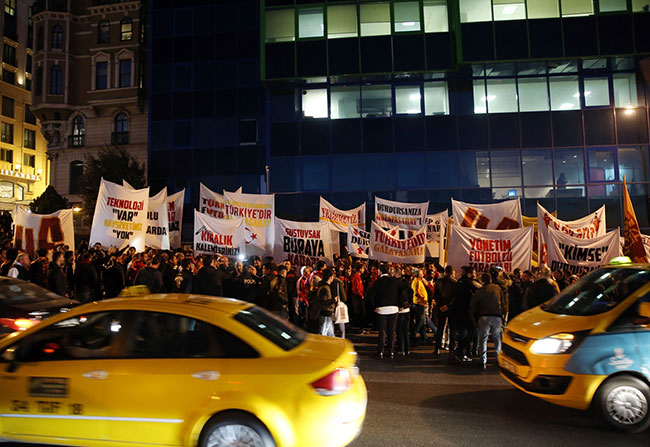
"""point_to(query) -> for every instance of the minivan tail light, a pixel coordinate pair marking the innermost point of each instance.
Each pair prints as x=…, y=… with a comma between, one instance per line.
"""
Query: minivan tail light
x=336, y=382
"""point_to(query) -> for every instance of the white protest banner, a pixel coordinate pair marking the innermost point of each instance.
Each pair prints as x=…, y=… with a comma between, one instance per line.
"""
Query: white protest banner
x=436, y=233
x=495, y=216
x=36, y=231
x=588, y=227
x=408, y=216
x=120, y=216
x=175, y=204
x=158, y=222
x=302, y=243
x=258, y=211
x=213, y=236
x=577, y=254
x=358, y=242
x=484, y=249
x=340, y=219
x=388, y=248
x=211, y=203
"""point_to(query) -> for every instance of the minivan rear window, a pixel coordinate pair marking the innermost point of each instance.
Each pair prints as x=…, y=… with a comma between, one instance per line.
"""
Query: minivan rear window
x=598, y=292
x=280, y=332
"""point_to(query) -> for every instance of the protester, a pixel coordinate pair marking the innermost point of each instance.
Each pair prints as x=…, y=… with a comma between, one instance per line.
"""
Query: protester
x=326, y=303
x=487, y=307
x=56, y=280
x=444, y=290
x=20, y=269
x=384, y=297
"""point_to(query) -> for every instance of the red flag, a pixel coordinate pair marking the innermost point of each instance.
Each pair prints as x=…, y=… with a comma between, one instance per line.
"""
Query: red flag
x=634, y=247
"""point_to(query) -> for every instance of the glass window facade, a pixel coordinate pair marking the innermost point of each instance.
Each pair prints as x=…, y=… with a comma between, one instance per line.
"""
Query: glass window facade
x=533, y=94
x=314, y=103
x=345, y=102
x=375, y=19
x=596, y=92
x=280, y=25
x=408, y=100
x=565, y=93
x=475, y=11
x=311, y=23
x=376, y=101
x=435, y=16
x=407, y=16
x=341, y=21
x=436, y=98
x=508, y=9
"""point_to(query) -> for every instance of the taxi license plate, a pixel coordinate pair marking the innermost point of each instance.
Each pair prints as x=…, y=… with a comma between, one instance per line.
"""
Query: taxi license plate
x=508, y=366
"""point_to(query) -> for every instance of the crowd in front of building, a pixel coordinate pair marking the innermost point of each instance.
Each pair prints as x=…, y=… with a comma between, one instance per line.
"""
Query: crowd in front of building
x=408, y=305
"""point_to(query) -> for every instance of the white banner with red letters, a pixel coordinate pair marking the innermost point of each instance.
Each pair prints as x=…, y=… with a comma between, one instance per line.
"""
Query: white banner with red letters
x=358, y=242
x=175, y=204
x=340, y=219
x=579, y=254
x=158, y=222
x=258, y=211
x=496, y=216
x=484, y=249
x=120, y=217
x=436, y=233
x=35, y=231
x=214, y=236
x=408, y=216
x=302, y=243
x=588, y=227
x=390, y=248
x=211, y=203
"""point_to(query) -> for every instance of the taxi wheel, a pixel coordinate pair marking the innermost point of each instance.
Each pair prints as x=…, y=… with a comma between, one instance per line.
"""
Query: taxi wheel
x=235, y=430
x=623, y=402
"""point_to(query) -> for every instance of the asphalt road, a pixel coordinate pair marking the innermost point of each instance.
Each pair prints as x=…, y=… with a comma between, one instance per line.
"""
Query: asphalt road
x=424, y=401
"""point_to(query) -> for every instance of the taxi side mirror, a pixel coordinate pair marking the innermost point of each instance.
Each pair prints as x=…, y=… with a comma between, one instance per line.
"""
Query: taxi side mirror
x=643, y=314
x=9, y=355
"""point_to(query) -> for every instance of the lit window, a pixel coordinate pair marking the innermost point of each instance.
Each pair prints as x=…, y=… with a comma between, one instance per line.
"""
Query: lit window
x=376, y=101
x=596, y=92
x=345, y=102
x=436, y=99
x=126, y=29
x=505, y=167
x=10, y=7
x=533, y=94
x=564, y=93
x=435, y=16
x=77, y=139
x=375, y=19
x=341, y=21
x=408, y=100
x=612, y=5
x=480, y=97
x=280, y=25
x=310, y=23
x=509, y=10
x=475, y=11
x=640, y=5
x=6, y=189
x=537, y=166
x=543, y=9
x=314, y=103
x=625, y=90
x=501, y=95
x=576, y=8
x=7, y=135
x=407, y=16
x=569, y=167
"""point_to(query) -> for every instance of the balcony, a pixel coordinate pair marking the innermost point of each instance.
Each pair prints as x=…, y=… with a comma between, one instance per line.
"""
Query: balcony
x=119, y=138
x=76, y=140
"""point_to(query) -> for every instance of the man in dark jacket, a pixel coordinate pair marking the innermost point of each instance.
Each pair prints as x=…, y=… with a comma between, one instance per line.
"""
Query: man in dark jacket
x=278, y=296
x=56, y=281
x=444, y=293
x=384, y=296
x=265, y=285
x=85, y=279
x=461, y=326
x=487, y=307
x=247, y=284
x=38, y=269
x=114, y=276
x=326, y=303
x=150, y=276
x=208, y=281
x=541, y=290
x=184, y=277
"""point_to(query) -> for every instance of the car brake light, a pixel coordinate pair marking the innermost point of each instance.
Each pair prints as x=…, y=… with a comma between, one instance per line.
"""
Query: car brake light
x=336, y=382
x=19, y=324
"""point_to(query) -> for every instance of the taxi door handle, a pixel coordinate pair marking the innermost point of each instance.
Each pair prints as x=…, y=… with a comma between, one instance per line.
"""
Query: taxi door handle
x=98, y=374
x=206, y=375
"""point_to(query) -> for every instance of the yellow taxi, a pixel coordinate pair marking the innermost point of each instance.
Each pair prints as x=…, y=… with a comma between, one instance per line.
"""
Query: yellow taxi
x=588, y=347
x=178, y=370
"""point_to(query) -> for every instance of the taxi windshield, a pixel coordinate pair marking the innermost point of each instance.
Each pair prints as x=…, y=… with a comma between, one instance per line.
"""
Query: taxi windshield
x=598, y=292
x=280, y=332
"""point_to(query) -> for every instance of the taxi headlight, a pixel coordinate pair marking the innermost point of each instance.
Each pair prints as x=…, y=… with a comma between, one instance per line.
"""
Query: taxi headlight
x=555, y=344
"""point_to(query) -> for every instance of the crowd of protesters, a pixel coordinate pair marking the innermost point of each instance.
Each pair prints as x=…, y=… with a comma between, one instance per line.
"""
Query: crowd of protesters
x=408, y=305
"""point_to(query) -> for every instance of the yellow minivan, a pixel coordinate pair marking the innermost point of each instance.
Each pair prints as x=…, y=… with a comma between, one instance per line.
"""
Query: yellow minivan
x=588, y=347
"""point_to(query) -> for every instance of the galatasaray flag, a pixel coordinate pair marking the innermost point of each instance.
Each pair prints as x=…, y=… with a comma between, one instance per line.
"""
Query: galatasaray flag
x=634, y=247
